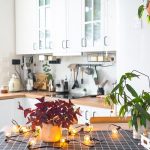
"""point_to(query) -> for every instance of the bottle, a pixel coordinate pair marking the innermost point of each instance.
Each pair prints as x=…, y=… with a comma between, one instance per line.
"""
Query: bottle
x=51, y=87
x=66, y=85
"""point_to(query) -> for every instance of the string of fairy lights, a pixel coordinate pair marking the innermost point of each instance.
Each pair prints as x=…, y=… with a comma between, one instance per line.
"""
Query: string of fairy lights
x=26, y=131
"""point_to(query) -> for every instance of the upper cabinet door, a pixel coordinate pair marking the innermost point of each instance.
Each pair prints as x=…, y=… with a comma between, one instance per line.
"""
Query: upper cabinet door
x=45, y=40
x=26, y=26
x=33, y=26
x=93, y=25
x=67, y=27
x=110, y=25
x=74, y=26
x=59, y=25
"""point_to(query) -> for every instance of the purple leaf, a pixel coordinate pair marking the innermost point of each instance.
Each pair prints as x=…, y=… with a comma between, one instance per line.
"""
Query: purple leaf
x=20, y=107
x=42, y=99
x=27, y=111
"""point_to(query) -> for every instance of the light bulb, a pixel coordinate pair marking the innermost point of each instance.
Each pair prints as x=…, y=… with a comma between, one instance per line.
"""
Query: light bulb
x=87, y=139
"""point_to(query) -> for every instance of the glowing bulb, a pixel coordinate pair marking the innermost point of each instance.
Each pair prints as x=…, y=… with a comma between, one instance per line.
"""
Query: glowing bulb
x=15, y=129
x=87, y=139
x=73, y=132
x=62, y=140
x=23, y=129
x=32, y=141
x=89, y=128
x=70, y=128
x=8, y=133
x=114, y=131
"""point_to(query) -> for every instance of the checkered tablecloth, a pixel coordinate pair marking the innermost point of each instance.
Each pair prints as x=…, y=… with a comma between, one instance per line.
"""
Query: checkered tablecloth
x=123, y=141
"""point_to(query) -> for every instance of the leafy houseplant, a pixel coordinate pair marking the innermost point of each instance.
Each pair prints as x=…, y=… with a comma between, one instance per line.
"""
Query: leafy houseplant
x=55, y=113
x=144, y=7
x=46, y=69
x=137, y=104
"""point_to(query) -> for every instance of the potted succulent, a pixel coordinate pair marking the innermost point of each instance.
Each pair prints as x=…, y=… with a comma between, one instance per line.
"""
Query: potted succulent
x=142, y=8
x=51, y=116
x=131, y=102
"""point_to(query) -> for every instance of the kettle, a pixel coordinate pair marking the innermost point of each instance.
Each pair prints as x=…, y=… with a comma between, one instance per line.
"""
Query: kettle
x=14, y=84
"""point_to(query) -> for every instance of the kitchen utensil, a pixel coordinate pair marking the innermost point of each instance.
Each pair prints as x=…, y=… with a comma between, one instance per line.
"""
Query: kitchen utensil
x=60, y=86
x=96, y=80
x=82, y=70
x=100, y=90
x=89, y=70
x=76, y=84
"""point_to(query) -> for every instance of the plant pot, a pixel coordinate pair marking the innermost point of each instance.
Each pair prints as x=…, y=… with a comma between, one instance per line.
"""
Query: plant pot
x=50, y=133
x=137, y=134
x=141, y=130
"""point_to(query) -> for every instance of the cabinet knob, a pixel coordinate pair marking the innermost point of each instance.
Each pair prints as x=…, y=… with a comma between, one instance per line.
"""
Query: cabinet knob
x=94, y=113
x=67, y=41
x=34, y=46
x=86, y=118
x=105, y=40
x=83, y=42
x=63, y=42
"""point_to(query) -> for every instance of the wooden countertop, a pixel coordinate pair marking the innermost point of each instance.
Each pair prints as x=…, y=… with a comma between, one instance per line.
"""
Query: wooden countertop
x=87, y=101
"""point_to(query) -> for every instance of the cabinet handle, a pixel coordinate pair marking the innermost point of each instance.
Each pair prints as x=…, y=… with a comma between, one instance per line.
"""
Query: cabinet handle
x=86, y=118
x=105, y=40
x=94, y=113
x=63, y=44
x=83, y=42
x=34, y=46
x=67, y=43
x=50, y=45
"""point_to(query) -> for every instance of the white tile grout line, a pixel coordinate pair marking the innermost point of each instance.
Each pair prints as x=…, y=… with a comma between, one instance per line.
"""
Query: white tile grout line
x=99, y=139
x=130, y=139
x=106, y=140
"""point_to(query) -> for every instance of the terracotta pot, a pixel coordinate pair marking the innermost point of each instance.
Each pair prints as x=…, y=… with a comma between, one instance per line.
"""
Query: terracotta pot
x=148, y=7
x=50, y=133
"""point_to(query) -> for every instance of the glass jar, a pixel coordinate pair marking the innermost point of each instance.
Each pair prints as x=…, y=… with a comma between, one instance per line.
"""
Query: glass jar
x=4, y=89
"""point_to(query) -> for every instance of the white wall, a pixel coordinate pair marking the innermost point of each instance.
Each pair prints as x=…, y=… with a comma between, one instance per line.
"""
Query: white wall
x=133, y=48
x=7, y=39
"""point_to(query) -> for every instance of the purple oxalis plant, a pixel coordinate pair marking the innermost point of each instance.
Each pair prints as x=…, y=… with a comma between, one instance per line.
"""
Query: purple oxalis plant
x=58, y=112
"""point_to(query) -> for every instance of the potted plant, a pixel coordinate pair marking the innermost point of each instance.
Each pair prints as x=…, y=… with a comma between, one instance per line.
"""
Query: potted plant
x=142, y=8
x=131, y=102
x=51, y=116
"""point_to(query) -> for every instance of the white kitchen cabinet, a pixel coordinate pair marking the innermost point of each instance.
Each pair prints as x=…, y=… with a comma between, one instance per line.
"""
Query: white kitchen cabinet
x=26, y=26
x=97, y=28
x=33, y=26
x=66, y=27
x=110, y=25
x=88, y=112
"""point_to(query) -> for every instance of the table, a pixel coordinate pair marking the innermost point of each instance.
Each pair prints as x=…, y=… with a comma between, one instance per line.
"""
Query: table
x=123, y=141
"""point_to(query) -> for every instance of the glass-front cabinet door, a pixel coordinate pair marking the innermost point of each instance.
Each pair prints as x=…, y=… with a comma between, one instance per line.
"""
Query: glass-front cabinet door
x=45, y=17
x=92, y=25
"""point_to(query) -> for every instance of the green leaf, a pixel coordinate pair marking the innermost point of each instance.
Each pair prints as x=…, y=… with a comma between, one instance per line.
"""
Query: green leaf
x=142, y=111
x=122, y=111
x=143, y=121
x=148, y=18
x=134, y=122
x=131, y=90
x=131, y=75
x=115, y=88
x=140, y=11
x=146, y=97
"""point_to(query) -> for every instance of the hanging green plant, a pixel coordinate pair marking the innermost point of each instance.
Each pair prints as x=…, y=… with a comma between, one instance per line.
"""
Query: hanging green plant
x=142, y=8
